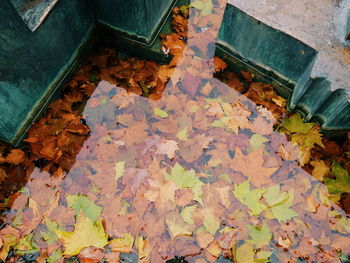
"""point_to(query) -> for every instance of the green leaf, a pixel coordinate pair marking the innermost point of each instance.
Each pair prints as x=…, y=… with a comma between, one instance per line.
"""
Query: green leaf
x=145, y=89
x=80, y=202
x=86, y=234
x=182, y=134
x=50, y=236
x=260, y=236
x=160, y=113
x=250, y=198
x=280, y=202
x=55, y=257
x=256, y=141
x=206, y=7
x=186, y=179
x=211, y=222
x=341, y=183
x=262, y=256
x=26, y=245
x=119, y=170
x=296, y=124
x=244, y=254
x=94, y=78
x=186, y=214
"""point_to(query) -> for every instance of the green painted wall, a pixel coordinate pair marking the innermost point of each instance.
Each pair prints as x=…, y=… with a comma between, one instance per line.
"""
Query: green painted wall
x=140, y=19
x=32, y=63
x=275, y=53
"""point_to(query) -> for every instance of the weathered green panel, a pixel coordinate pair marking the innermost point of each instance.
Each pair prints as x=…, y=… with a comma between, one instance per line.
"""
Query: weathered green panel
x=348, y=28
x=275, y=53
x=137, y=19
x=33, y=63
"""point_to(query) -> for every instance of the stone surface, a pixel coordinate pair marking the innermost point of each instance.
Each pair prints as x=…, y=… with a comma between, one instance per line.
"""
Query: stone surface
x=320, y=24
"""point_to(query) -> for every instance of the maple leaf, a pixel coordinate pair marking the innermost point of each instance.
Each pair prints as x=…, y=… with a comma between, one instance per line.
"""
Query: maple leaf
x=280, y=202
x=256, y=141
x=168, y=147
x=260, y=235
x=55, y=256
x=50, y=236
x=122, y=244
x=236, y=116
x=16, y=157
x=26, y=245
x=206, y=7
x=341, y=183
x=250, y=198
x=187, y=212
x=210, y=221
x=86, y=234
x=83, y=203
x=119, y=170
x=7, y=241
x=219, y=64
x=143, y=247
x=160, y=113
x=161, y=192
x=247, y=254
x=182, y=134
x=186, y=179
x=304, y=134
x=296, y=124
x=244, y=253
x=320, y=169
x=177, y=226
x=251, y=165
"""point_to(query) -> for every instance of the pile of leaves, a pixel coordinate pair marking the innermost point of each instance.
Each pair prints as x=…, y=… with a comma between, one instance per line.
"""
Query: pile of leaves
x=190, y=168
x=318, y=155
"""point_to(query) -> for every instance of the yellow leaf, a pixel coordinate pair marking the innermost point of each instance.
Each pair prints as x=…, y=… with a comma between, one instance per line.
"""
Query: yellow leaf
x=119, y=169
x=182, y=134
x=214, y=249
x=143, y=247
x=186, y=214
x=122, y=244
x=177, y=226
x=211, y=222
x=320, y=169
x=160, y=113
x=206, y=7
x=86, y=234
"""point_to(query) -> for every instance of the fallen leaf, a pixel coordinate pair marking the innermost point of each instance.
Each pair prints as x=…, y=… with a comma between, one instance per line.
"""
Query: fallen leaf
x=251, y=165
x=260, y=235
x=122, y=244
x=250, y=198
x=160, y=113
x=83, y=203
x=119, y=170
x=341, y=183
x=206, y=7
x=176, y=226
x=320, y=169
x=86, y=234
